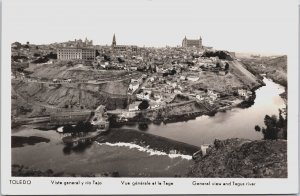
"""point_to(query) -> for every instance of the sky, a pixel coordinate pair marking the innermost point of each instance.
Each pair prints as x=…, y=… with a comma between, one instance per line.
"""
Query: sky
x=235, y=25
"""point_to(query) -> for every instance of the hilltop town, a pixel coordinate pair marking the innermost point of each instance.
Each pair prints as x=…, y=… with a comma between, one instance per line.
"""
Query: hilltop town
x=133, y=83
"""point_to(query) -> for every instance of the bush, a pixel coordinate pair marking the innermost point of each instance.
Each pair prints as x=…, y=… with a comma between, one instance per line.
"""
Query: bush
x=221, y=54
x=144, y=105
x=83, y=127
x=68, y=129
x=226, y=66
x=51, y=56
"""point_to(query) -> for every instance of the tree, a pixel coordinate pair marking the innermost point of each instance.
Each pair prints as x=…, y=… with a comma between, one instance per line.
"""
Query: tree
x=97, y=53
x=106, y=57
x=120, y=60
x=257, y=128
x=226, y=66
x=68, y=129
x=173, y=72
x=144, y=105
x=79, y=127
x=83, y=127
x=51, y=55
x=274, y=126
x=69, y=63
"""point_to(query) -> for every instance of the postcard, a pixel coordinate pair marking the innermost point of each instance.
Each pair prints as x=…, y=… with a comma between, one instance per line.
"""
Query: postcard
x=149, y=97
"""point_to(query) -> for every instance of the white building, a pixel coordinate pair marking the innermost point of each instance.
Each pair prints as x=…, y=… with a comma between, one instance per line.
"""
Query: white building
x=134, y=106
x=145, y=95
x=193, y=78
x=133, y=86
x=76, y=53
x=244, y=93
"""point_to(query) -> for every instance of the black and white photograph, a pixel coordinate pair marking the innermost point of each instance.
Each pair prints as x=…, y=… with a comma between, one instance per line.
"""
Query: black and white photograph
x=150, y=89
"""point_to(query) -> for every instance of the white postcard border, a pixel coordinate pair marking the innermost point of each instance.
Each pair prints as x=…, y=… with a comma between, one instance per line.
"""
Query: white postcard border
x=42, y=185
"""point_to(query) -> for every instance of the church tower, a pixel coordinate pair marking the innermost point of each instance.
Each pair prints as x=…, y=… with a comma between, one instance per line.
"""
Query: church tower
x=200, y=42
x=114, y=43
x=184, y=42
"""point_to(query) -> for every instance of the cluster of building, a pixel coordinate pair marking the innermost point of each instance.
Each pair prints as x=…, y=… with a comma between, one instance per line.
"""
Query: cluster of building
x=165, y=72
x=77, y=49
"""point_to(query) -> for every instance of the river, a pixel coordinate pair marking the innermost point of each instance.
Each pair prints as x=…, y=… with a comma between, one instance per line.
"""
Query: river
x=234, y=123
x=130, y=160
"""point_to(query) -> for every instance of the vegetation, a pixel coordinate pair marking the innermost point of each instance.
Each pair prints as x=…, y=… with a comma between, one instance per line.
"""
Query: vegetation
x=120, y=60
x=276, y=128
x=144, y=105
x=220, y=54
x=51, y=56
x=24, y=110
x=173, y=72
x=41, y=60
x=17, y=58
x=226, y=66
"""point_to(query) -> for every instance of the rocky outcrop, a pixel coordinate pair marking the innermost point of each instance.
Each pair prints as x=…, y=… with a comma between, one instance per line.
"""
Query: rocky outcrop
x=68, y=94
x=240, y=158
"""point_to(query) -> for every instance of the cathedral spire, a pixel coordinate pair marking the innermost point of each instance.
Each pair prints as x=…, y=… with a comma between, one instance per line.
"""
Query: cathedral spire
x=114, y=43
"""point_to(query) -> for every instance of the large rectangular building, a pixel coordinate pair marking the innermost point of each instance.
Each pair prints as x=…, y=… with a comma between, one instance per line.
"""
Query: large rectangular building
x=188, y=43
x=76, y=53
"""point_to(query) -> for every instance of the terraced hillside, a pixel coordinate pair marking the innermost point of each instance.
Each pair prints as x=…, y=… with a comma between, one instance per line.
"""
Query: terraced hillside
x=73, y=94
x=57, y=71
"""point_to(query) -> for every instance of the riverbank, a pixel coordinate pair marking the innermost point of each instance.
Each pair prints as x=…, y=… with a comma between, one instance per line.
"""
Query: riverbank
x=168, y=114
x=241, y=158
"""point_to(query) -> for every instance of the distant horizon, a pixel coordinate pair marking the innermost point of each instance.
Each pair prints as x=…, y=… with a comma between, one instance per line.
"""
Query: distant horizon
x=237, y=52
x=231, y=25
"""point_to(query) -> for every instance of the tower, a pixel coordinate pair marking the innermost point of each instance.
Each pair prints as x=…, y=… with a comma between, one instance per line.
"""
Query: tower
x=200, y=42
x=86, y=41
x=114, y=43
x=184, y=42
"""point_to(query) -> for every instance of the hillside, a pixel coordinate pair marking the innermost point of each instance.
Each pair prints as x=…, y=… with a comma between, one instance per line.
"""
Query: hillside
x=243, y=74
x=240, y=158
x=88, y=95
x=64, y=71
x=274, y=67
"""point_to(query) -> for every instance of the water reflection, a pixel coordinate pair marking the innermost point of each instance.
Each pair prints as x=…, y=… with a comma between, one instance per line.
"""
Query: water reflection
x=78, y=149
